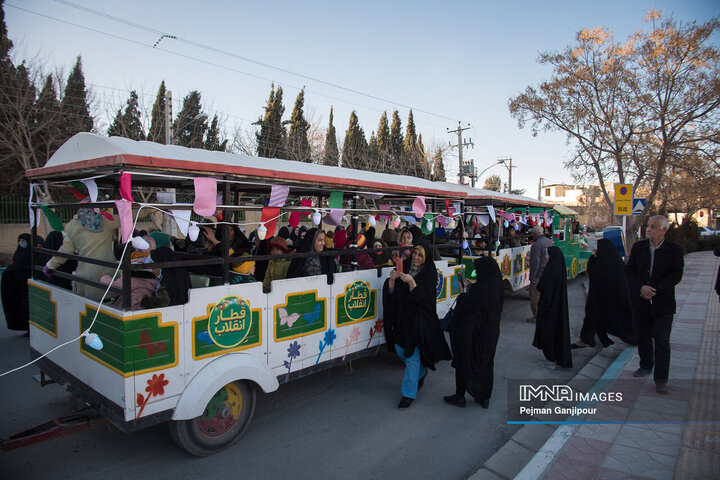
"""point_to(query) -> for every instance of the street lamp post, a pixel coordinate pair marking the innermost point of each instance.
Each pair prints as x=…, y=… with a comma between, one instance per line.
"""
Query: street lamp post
x=488, y=168
x=509, y=166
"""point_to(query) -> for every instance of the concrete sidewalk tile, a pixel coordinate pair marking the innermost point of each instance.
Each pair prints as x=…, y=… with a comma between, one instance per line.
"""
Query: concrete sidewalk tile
x=592, y=371
x=640, y=462
x=610, y=413
x=533, y=436
x=664, y=439
x=567, y=468
x=604, y=432
x=510, y=459
x=699, y=462
x=484, y=474
x=608, y=474
x=601, y=362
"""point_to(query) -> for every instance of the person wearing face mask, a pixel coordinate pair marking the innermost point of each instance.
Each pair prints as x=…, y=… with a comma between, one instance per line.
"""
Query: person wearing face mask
x=412, y=326
x=14, y=286
x=313, y=241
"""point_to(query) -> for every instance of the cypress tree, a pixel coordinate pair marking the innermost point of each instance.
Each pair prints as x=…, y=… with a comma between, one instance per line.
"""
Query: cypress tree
x=212, y=138
x=75, y=107
x=355, y=145
x=383, y=145
x=188, y=129
x=128, y=124
x=396, y=144
x=423, y=162
x=47, y=119
x=157, y=119
x=331, y=155
x=438, y=167
x=271, y=137
x=298, y=147
x=373, y=154
x=411, y=161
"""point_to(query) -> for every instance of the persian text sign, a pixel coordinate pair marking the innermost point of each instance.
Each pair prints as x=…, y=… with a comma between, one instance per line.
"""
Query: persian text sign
x=230, y=321
x=623, y=199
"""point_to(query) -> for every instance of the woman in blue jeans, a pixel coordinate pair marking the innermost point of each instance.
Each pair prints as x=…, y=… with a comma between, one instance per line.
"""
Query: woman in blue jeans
x=411, y=322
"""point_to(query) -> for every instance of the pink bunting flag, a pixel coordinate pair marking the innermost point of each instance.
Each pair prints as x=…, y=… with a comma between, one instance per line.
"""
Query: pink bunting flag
x=418, y=206
x=124, y=209
x=205, y=196
x=126, y=186
x=334, y=217
x=278, y=195
x=443, y=221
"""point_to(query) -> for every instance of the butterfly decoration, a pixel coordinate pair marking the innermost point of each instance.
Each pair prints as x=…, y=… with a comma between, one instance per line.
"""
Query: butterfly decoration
x=204, y=336
x=151, y=347
x=314, y=315
x=286, y=319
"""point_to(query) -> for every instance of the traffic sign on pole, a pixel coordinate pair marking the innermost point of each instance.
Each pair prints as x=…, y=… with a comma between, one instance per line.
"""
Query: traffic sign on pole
x=623, y=199
x=638, y=205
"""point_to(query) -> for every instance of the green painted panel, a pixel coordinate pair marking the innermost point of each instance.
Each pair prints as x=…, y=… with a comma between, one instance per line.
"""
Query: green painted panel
x=455, y=281
x=342, y=316
x=43, y=311
x=203, y=345
x=131, y=346
x=303, y=314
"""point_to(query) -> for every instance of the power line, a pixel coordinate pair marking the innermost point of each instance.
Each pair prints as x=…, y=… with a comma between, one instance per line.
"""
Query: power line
x=250, y=60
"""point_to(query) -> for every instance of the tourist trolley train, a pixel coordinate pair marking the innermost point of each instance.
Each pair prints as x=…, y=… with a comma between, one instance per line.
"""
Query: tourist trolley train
x=198, y=365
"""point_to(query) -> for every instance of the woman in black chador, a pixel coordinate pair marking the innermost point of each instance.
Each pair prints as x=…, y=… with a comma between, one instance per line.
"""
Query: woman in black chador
x=608, y=307
x=411, y=322
x=474, y=333
x=14, y=286
x=552, y=330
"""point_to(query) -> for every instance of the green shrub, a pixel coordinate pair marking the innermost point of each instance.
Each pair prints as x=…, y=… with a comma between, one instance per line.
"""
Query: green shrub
x=687, y=235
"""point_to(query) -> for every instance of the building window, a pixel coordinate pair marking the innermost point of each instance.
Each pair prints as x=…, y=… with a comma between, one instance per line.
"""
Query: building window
x=547, y=192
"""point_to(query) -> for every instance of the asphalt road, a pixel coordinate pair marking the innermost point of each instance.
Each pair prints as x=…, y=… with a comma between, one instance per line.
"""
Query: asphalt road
x=341, y=423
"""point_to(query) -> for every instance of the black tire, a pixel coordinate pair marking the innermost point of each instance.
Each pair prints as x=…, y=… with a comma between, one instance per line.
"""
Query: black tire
x=220, y=426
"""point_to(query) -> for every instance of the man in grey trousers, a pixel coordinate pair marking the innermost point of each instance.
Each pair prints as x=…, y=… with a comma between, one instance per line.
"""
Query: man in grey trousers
x=538, y=260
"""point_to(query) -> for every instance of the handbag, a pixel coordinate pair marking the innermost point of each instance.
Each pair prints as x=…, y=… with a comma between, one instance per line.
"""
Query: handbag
x=445, y=322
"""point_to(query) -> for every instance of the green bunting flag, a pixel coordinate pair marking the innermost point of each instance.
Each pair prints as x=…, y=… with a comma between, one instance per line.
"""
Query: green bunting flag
x=52, y=217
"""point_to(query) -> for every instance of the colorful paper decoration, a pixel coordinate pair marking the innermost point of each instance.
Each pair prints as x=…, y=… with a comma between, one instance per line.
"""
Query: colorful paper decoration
x=336, y=199
x=126, y=186
x=418, y=206
x=491, y=212
x=278, y=195
x=92, y=189
x=31, y=212
x=53, y=219
x=124, y=208
x=335, y=216
x=427, y=220
x=205, y=196
x=182, y=218
x=269, y=217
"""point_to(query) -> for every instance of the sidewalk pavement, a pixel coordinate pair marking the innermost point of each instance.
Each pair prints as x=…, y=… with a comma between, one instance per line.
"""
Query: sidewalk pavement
x=652, y=436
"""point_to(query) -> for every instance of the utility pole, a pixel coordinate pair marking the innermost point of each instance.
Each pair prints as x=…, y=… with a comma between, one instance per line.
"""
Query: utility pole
x=540, y=185
x=168, y=118
x=460, y=146
x=509, y=167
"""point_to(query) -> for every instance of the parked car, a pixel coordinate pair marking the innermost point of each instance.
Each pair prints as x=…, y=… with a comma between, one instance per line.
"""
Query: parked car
x=707, y=232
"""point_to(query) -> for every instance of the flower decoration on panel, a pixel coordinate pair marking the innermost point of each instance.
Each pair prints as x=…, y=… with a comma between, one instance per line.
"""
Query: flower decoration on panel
x=327, y=340
x=155, y=388
x=293, y=352
x=354, y=335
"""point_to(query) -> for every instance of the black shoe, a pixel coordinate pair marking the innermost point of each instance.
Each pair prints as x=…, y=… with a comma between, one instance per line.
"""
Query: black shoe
x=405, y=403
x=422, y=381
x=661, y=387
x=485, y=402
x=457, y=400
x=641, y=372
x=575, y=345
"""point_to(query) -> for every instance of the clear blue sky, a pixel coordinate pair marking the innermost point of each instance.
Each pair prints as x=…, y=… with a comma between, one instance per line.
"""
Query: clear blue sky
x=456, y=60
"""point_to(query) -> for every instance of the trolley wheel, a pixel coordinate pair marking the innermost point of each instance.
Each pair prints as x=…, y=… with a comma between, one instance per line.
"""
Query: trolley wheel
x=574, y=268
x=226, y=416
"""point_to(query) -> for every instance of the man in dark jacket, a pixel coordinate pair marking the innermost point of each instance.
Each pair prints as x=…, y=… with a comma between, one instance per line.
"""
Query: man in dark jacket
x=654, y=268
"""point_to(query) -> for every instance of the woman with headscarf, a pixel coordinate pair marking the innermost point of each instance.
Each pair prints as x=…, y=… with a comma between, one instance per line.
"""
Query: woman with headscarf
x=607, y=308
x=405, y=239
x=474, y=332
x=411, y=322
x=314, y=241
x=380, y=259
x=552, y=329
x=364, y=262
x=53, y=242
x=89, y=234
x=14, y=286
x=339, y=241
